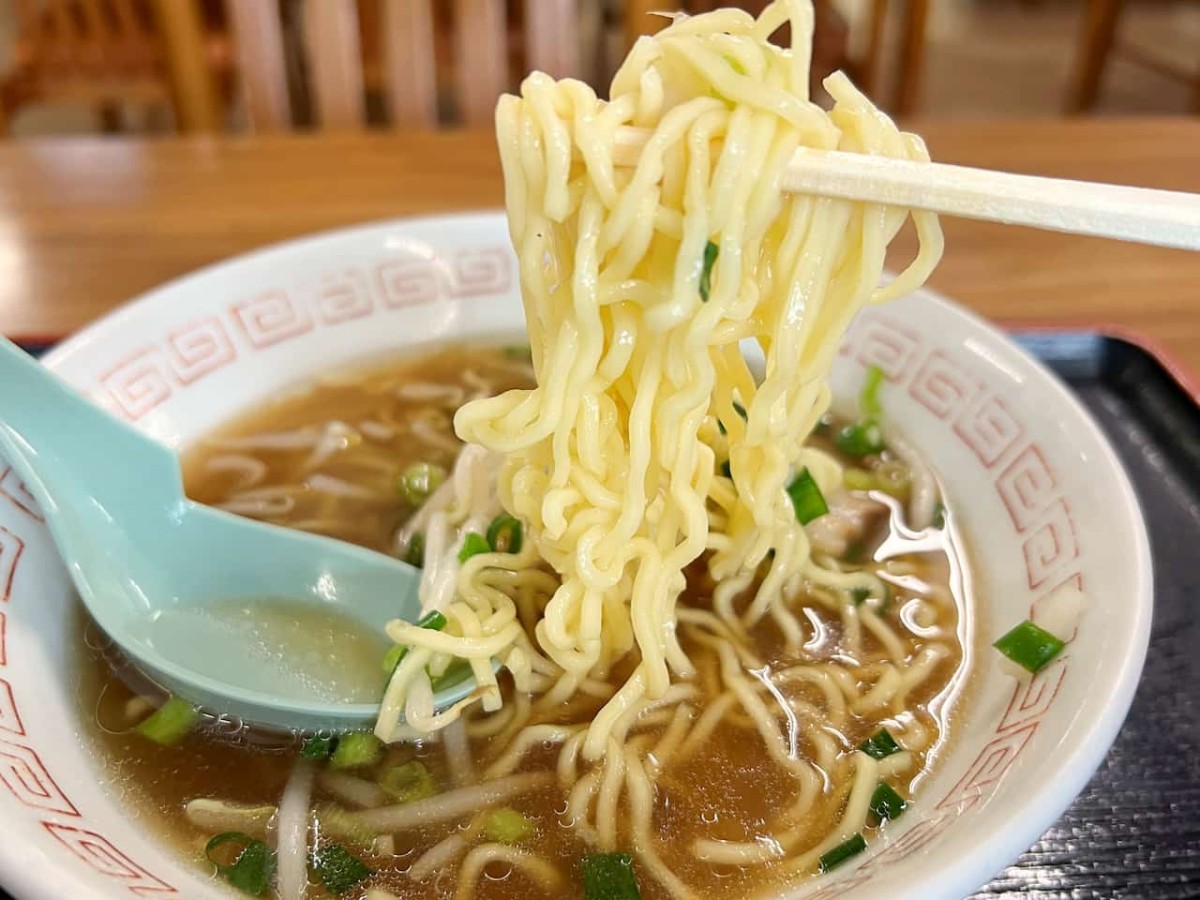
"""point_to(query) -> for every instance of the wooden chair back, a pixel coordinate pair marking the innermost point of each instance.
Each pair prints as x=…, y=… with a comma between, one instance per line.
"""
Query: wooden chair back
x=99, y=38
x=420, y=55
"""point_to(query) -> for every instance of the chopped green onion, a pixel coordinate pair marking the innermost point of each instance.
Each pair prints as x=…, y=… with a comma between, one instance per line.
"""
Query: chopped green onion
x=418, y=481
x=880, y=745
x=338, y=869
x=858, y=480
x=609, y=876
x=892, y=477
x=318, y=747
x=456, y=673
x=1029, y=646
x=505, y=534
x=939, y=516
x=392, y=658
x=710, y=258
x=886, y=803
x=842, y=852
x=356, y=749
x=433, y=620
x=408, y=782
x=860, y=439
x=415, y=555
x=868, y=399
x=507, y=826
x=340, y=823
x=473, y=544
x=170, y=723
x=251, y=870
x=519, y=351
x=807, y=500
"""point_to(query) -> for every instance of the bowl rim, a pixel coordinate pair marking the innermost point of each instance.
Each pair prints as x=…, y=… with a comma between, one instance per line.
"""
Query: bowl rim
x=1085, y=754
x=957, y=876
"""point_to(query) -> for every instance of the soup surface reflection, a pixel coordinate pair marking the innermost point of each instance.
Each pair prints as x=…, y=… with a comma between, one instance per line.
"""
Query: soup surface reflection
x=332, y=458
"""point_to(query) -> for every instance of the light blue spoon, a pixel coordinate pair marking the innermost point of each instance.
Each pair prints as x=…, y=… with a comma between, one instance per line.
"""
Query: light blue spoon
x=176, y=584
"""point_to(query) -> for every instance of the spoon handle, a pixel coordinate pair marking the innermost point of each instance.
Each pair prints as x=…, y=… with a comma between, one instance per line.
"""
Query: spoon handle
x=65, y=448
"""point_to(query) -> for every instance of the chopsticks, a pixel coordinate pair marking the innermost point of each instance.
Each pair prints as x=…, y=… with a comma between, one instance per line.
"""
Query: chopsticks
x=1141, y=215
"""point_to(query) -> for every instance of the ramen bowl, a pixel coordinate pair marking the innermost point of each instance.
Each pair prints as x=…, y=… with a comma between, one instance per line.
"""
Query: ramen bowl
x=1037, y=495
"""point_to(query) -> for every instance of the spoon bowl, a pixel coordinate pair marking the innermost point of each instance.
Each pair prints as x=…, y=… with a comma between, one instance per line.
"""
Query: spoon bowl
x=249, y=620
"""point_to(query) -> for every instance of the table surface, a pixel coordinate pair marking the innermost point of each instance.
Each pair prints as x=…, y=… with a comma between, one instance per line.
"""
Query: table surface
x=86, y=224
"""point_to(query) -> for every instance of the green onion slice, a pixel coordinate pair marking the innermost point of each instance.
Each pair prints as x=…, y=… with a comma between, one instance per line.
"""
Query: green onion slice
x=892, y=477
x=415, y=555
x=338, y=869
x=252, y=869
x=473, y=544
x=710, y=258
x=886, y=803
x=356, y=749
x=519, y=351
x=842, y=852
x=858, y=480
x=318, y=746
x=609, y=876
x=170, y=723
x=880, y=745
x=507, y=826
x=868, y=398
x=860, y=439
x=505, y=534
x=408, y=782
x=433, y=620
x=455, y=673
x=807, y=499
x=418, y=481
x=1029, y=646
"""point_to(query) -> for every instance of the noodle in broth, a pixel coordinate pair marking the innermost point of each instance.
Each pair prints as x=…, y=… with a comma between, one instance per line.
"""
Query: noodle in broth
x=736, y=800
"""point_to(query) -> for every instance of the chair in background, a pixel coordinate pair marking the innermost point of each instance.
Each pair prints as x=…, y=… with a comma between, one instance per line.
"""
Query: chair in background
x=432, y=61
x=114, y=54
x=832, y=48
x=1098, y=40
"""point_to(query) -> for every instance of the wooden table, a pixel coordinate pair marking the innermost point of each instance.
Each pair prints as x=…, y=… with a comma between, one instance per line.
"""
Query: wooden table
x=86, y=224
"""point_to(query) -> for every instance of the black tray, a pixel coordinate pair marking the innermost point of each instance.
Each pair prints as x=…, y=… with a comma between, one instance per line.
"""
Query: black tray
x=1135, y=831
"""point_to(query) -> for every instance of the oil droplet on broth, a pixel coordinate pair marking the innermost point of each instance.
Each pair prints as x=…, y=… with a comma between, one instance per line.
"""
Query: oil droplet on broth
x=292, y=649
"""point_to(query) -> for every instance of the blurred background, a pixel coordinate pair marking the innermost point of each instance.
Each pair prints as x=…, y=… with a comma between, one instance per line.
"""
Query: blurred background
x=195, y=66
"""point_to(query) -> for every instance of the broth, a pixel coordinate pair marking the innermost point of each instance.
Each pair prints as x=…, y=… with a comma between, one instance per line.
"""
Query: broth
x=727, y=787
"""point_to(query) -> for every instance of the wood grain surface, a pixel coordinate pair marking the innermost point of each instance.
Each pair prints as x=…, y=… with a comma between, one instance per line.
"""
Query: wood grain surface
x=86, y=224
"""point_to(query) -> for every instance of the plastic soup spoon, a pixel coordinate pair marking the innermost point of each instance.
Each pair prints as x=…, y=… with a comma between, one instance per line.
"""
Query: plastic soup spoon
x=270, y=626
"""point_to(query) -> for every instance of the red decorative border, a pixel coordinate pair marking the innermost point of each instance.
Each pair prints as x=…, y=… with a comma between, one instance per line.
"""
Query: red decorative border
x=153, y=373
x=14, y=491
x=26, y=777
x=98, y=853
x=11, y=548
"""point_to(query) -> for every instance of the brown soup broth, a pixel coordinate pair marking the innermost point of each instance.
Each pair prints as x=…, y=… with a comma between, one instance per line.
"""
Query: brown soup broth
x=730, y=789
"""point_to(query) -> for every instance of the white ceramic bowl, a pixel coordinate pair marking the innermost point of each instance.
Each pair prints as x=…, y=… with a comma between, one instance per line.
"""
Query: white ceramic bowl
x=1037, y=492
